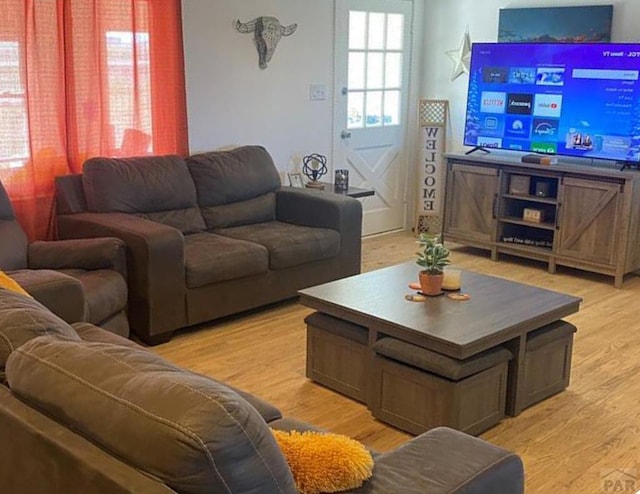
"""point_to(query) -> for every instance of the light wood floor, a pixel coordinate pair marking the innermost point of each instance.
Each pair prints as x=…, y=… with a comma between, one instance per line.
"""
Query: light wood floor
x=567, y=442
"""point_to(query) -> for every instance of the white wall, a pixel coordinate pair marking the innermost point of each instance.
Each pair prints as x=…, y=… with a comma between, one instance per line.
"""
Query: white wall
x=446, y=21
x=231, y=101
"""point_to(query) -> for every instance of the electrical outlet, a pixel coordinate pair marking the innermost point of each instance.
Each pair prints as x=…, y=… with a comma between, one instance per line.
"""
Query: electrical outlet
x=318, y=92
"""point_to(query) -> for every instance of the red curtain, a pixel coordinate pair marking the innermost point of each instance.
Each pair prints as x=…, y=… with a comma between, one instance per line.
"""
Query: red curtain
x=82, y=78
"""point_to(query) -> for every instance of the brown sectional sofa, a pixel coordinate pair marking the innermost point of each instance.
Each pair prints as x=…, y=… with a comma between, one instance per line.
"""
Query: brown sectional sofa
x=211, y=235
x=84, y=410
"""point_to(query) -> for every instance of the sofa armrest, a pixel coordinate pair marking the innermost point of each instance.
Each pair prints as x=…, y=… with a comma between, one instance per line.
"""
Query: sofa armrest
x=86, y=253
x=325, y=210
x=155, y=268
x=446, y=461
x=42, y=456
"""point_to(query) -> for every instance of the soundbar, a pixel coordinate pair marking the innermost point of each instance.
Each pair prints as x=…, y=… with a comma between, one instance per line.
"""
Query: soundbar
x=539, y=159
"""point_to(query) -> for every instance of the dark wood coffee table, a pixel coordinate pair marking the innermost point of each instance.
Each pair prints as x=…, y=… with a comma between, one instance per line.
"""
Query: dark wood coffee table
x=499, y=312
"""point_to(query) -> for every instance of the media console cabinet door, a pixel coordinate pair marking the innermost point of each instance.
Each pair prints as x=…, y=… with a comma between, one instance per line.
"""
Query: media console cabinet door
x=472, y=192
x=589, y=217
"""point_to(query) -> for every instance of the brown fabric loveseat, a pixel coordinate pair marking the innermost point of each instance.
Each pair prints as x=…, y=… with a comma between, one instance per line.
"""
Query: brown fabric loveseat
x=211, y=235
x=84, y=410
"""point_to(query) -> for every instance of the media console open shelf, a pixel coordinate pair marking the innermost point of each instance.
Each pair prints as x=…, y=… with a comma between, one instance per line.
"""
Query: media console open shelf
x=581, y=216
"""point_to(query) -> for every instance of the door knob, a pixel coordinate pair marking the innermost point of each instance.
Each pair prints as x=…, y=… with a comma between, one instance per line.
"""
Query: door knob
x=345, y=134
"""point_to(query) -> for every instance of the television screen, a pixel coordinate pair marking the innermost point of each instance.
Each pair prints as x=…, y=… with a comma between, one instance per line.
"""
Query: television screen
x=570, y=99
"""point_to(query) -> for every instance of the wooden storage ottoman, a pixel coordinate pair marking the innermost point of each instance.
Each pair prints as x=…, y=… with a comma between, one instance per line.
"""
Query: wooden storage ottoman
x=417, y=389
x=337, y=354
x=547, y=361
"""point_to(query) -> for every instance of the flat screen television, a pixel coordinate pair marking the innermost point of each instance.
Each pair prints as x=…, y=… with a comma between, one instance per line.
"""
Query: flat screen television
x=556, y=98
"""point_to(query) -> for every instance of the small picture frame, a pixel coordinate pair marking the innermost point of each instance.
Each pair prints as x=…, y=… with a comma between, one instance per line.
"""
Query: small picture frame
x=295, y=179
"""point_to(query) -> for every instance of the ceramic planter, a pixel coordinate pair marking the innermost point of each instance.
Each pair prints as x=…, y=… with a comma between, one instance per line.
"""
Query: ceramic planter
x=431, y=284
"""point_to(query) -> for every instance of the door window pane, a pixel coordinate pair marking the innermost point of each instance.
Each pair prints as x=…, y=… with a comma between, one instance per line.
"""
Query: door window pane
x=375, y=71
x=376, y=31
x=391, y=108
x=374, y=109
x=355, y=110
x=357, y=30
x=395, y=26
x=356, y=70
x=393, y=70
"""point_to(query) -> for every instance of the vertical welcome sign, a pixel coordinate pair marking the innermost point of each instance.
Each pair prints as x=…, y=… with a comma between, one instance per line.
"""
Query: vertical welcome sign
x=432, y=124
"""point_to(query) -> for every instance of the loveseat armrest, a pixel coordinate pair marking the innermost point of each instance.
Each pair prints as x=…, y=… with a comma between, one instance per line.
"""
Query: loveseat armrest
x=318, y=208
x=155, y=268
x=446, y=461
x=85, y=253
x=325, y=210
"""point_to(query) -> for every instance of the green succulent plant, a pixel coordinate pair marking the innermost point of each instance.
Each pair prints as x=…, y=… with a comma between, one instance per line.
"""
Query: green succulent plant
x=433, y=256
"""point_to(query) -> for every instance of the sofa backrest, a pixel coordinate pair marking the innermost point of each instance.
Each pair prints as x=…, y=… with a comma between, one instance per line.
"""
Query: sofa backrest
x=195, y=434
x=13, y=239
x=158, y=188
x=235, y=187
x=22, y=319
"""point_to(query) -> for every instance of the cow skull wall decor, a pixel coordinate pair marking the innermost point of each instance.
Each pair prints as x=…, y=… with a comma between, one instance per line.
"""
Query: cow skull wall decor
x=267, y=31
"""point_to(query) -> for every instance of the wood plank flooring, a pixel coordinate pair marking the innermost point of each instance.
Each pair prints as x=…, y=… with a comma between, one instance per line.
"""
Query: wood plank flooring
x=568, y=442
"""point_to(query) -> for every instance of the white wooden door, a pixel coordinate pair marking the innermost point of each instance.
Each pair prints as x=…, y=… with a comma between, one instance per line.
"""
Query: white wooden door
x=372, y=61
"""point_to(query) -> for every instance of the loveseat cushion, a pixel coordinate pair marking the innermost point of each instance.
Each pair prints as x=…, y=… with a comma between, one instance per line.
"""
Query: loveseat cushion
x=158, y=188
x=22, y=319
x=235, y=187
x=255, y=210
x=288, y=245
x=194, y=434
x=213, y=258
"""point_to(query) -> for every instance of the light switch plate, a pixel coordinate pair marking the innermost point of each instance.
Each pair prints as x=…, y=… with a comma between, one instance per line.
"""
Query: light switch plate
x=318, y=92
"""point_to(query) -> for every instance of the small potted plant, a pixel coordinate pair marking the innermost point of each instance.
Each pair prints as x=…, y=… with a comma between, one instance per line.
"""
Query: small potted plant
x=432, y=258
